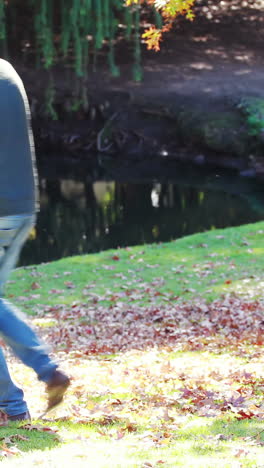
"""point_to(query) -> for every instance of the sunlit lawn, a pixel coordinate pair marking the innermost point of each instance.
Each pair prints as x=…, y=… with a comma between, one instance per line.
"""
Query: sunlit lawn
x=153, y=406
x=206, y=265
x=127, y=410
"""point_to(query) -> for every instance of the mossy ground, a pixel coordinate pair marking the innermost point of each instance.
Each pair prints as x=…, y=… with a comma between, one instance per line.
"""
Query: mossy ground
x=235, y=130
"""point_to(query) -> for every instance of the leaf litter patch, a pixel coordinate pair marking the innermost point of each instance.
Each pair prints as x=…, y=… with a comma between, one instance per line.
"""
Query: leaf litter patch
x=189, y=358
x=143, y=374
x=87, y=329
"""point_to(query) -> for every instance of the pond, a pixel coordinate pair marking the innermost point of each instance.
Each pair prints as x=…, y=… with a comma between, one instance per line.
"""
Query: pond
x=88, y=209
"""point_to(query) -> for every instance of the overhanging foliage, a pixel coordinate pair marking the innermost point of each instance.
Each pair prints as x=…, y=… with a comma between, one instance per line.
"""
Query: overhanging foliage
x=75, y=30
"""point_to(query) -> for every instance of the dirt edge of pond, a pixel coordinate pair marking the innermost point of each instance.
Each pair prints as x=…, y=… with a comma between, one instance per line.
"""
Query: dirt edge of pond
x=225, y=133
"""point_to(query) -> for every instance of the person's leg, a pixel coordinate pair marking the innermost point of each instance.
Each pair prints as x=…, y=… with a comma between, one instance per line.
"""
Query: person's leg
x=11, y=397
x=24, y=342
x=14, y=231
x=15, y=331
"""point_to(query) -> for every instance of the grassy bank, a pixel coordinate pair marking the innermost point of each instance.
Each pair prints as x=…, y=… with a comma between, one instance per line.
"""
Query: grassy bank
x=165, y=347
x=202, y=265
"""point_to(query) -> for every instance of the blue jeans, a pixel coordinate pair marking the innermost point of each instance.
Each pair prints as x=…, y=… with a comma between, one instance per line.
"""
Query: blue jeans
x=14, y=330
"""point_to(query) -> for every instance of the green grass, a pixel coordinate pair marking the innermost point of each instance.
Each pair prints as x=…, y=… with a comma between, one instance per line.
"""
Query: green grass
x=195, y=442
x=35, y=441
x=206, y=265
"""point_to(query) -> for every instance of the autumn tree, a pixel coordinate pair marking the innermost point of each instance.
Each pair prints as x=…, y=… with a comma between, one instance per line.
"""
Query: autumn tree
x=169, y=10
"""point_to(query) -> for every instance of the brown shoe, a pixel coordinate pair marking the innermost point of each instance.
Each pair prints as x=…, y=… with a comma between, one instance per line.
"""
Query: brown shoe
x=56, y=387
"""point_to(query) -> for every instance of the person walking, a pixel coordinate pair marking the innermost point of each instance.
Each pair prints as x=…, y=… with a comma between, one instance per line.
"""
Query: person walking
x=18, y=208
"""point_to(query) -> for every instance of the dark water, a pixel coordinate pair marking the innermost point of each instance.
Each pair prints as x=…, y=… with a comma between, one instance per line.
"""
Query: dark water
x=80, y=215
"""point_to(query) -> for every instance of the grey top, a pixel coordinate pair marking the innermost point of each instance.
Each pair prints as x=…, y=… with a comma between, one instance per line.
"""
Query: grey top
x=18, y=176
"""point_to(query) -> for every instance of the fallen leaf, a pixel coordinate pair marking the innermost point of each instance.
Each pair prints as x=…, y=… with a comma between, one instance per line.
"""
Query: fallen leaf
x=36, y=427
x=35, y=285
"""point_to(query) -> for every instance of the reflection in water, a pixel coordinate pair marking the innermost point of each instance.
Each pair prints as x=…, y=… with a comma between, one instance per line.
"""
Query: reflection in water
x=79, y=217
